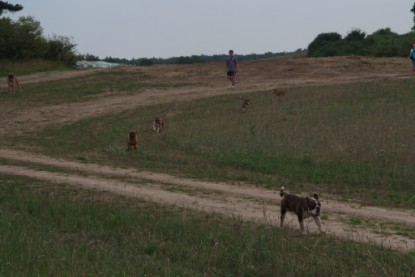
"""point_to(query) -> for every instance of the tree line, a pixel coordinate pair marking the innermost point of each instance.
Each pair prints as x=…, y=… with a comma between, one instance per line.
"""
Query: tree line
x=194, y=58
x=24, y=40
x=382, y=43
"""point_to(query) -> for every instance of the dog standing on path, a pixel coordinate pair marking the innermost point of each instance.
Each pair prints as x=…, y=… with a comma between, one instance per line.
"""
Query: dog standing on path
x=12, y=83
x=303, y=207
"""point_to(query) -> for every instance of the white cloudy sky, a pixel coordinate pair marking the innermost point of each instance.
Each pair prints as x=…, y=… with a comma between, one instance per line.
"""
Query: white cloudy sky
x=167, y=28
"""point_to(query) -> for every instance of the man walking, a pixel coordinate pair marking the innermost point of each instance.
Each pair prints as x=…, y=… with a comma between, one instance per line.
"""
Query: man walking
x=231, y=67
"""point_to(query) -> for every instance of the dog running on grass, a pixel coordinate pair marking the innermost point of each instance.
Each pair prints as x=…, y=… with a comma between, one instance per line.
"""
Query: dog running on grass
x=279, y=91
x=132, y=140
x=303, y=207
x=245, y=103
x=12, y=83
x=158, y=124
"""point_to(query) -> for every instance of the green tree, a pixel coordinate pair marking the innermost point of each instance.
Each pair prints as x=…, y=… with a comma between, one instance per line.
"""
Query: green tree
x=21, y=40
x=5, y=6
x=355, y=35
x=413, y=11
x=61, y=49
x=321, y=41
x=28, y=41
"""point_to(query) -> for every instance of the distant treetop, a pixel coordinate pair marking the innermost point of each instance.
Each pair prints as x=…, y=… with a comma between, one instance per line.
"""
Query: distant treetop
x=5, y=6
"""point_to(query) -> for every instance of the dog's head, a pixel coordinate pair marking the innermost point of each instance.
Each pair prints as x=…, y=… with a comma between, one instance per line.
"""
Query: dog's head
x=132, y=134
x=313, y=205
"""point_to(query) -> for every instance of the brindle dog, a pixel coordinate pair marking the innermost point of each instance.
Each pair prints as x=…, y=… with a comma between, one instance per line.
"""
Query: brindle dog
x=158, y=124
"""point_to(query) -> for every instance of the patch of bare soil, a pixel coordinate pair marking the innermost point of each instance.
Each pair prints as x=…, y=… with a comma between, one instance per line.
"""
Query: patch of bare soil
x=242, y=201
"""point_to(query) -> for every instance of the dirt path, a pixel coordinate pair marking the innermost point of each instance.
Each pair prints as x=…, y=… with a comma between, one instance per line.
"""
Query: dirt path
x=241, y=201
x=286, y=73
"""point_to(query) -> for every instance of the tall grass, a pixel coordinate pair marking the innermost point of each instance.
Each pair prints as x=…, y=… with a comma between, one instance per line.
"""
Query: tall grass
x=354, y=140
x=53, y=230
x=88, y=87
x=29, y=67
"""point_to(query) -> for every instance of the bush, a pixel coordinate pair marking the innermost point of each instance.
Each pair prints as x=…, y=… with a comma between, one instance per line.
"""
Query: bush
x=382, y=43
x=23, y=40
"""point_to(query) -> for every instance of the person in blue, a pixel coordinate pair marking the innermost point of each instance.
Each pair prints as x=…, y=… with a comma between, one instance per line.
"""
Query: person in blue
x=232, y=67
x=412, y=57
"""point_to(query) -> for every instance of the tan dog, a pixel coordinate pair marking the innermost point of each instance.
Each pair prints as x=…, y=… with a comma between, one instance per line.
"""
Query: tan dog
x=12, y=83
x=279, y=91
x=158, y=124
x=132, y=140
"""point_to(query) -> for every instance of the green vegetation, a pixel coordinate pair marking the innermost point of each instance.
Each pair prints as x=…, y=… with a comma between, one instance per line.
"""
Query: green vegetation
x=23, y=40
x=30, y=67
x=51, y=230
x=350, y=140
x=382, y=43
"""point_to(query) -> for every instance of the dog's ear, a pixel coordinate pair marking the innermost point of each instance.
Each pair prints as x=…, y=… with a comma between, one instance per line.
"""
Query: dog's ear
x=315, y=196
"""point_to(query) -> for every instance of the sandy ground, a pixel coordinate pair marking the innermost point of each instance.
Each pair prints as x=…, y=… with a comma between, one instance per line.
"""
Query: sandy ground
x=234, y=200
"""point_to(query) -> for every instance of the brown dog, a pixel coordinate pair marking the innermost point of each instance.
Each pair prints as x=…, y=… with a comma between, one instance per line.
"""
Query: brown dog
x=158, y=124
x=279, y=91
x=132, y=140
x=12, y=83
x=303, y=207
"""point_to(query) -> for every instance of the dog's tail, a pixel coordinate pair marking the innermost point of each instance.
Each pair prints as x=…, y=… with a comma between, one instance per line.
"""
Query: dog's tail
x=282, y=193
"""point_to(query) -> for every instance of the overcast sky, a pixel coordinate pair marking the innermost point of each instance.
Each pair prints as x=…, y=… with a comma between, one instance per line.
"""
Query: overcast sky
x=167, y=28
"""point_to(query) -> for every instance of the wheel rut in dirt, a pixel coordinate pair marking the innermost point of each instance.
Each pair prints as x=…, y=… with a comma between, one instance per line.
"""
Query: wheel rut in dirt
x=238, y=201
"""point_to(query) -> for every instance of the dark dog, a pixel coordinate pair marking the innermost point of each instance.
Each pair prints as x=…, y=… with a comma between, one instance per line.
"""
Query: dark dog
x=12, y=83
x=132, y=140
x=158, y=124
x=279, y=91
x=303, y=207
x=245, y=103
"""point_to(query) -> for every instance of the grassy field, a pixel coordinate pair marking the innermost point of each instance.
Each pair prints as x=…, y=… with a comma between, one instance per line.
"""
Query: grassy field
x=23, y=68
x=50, y=230
x=354, y=141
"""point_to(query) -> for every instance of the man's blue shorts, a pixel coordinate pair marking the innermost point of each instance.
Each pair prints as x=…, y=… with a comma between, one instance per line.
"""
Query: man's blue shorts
x=231, y=73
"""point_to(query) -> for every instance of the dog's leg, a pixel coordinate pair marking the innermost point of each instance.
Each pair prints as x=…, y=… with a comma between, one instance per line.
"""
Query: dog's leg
x=301, y=221
x=282, y=218
x=18, y=86
x=318, y=222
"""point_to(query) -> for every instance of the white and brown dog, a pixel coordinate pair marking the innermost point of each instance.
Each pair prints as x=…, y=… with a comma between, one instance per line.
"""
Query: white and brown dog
x=158, y=124
x=303, y=207
x=245, y=103
x=12, y=83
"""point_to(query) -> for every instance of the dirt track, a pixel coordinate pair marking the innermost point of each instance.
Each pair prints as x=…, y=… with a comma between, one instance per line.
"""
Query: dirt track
x=242, y=201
